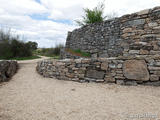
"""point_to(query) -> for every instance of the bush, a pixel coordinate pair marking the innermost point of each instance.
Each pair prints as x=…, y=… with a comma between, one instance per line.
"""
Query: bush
x=13, y=47
x=95, y=15
x=20, y=49
x=92, y=16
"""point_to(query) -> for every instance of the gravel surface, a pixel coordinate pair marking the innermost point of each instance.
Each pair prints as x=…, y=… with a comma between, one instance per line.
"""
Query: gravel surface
x=29, y=96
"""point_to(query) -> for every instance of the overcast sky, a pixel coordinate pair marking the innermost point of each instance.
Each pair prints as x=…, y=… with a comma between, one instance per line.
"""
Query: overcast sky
x=48, y=21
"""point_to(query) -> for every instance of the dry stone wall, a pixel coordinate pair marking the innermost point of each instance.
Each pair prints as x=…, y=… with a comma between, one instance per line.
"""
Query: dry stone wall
x=124, y=51
x=7, y=70
x=122, y=70
x=129, y=35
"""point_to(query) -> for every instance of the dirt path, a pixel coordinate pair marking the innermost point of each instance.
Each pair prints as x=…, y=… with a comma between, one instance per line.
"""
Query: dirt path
x=29, y=96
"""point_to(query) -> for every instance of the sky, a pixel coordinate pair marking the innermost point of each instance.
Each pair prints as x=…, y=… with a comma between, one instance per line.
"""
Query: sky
x=47, y=22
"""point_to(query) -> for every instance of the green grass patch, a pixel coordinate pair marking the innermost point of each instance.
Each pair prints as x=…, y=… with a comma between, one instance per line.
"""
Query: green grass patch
x=78, y=52
x=22, y=58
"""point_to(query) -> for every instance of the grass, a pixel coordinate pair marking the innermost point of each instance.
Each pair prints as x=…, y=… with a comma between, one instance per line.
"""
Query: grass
x=78, y=52
x=23, y=58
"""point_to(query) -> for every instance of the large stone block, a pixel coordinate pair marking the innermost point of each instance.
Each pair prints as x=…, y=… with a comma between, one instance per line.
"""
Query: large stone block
x=136, y=70
x=95, y=74
x=137, y=22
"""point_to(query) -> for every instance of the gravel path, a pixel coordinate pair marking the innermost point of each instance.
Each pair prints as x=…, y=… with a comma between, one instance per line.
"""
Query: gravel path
x=29, y=96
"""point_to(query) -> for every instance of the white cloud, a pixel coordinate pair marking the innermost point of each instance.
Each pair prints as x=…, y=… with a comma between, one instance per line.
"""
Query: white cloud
x=67, y=9
x=72, y=9
x=129, y=6
x=70, y=13
x=21, y=7
x=46, y=33
x=15, y=14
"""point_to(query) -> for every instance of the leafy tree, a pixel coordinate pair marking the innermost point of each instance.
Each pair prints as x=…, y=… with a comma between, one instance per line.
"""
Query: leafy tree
x=92, y=16
x=33, y=45
x=20, y=49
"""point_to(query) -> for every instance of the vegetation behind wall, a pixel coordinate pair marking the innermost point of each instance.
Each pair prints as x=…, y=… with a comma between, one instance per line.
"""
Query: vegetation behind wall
x=50, y=52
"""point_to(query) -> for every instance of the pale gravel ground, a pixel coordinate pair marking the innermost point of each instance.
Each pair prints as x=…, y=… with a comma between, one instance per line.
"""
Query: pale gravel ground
x=29, y=96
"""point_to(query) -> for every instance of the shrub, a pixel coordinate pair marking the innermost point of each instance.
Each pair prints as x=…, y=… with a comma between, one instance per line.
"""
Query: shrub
x=12, y=47
x=92, y=16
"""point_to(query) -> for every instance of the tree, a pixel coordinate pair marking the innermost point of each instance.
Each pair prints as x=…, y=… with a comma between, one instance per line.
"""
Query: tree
x=92, y=16
x=32, y=45
x=20, y=49
x=11, y=46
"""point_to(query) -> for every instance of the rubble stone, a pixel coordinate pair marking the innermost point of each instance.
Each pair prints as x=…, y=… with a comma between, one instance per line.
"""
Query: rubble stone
x=7, y=70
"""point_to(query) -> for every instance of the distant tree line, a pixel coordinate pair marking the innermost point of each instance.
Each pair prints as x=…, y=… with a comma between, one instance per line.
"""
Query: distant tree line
x=11, y=46
x=50, y=52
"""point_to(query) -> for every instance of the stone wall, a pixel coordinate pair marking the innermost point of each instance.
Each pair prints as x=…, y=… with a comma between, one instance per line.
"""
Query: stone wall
x=119, y=70
x=129, y=35
x=7, y=70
